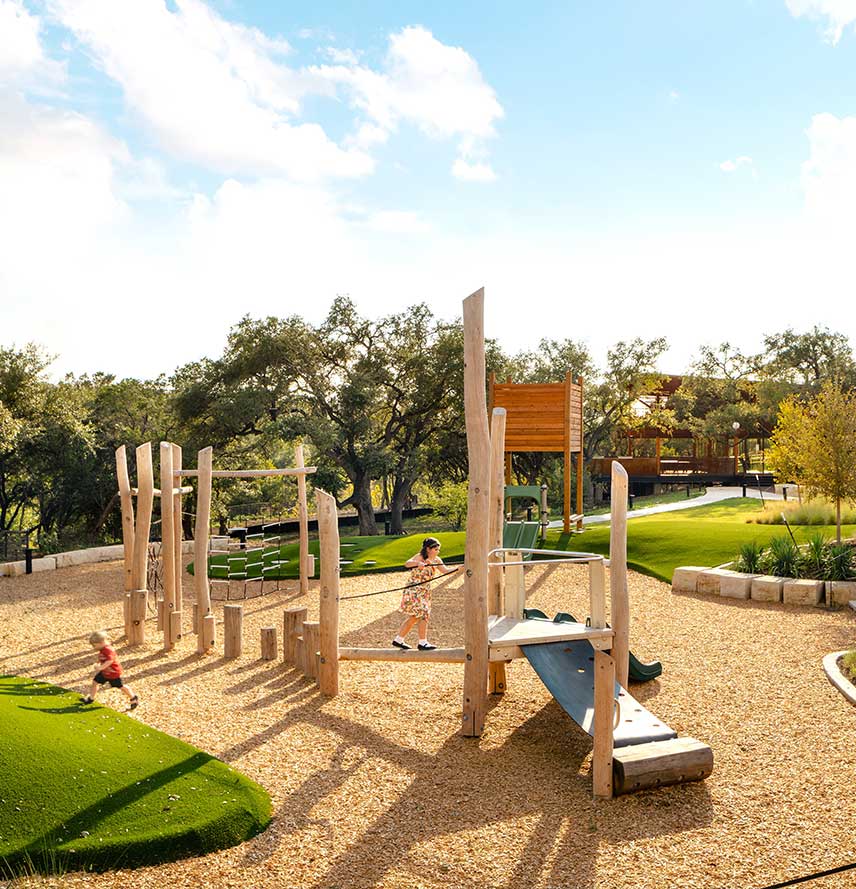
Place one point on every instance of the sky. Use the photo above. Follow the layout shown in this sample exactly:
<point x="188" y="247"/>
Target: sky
<point x="605" y="170"/>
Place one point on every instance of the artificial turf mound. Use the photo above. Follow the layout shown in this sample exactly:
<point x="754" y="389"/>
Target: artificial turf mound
<point x="85" y="787"/>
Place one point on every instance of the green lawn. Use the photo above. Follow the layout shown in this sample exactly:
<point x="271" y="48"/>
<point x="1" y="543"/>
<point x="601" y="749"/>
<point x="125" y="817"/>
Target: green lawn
<point x="656" y="544"/>
<point x="86" y="787"/>
<point x="704" y="535"/>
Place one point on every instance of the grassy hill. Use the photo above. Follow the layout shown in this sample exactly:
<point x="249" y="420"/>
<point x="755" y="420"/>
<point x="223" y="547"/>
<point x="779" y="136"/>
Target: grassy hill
<point x="85" y="787"/>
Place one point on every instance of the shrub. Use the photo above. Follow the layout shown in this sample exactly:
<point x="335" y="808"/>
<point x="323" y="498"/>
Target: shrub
<point x="450" y="502"/>
<point x="849" y="662"/>
<point x="750" y="558"/>
<point x="781" y="558"/>
<point x="812" y="562"/>
<point x="840" y="562"/>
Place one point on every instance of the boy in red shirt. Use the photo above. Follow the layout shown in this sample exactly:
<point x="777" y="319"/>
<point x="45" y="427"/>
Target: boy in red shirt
<point x="109" y="669"/>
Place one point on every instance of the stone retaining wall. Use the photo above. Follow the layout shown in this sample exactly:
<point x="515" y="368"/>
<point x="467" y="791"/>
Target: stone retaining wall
<point x="75" y="557"/>
<point x="729" y="584"/>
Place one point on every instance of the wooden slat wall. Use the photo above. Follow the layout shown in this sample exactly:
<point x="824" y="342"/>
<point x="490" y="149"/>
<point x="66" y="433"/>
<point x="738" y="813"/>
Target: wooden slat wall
<point x="536" y="416"/>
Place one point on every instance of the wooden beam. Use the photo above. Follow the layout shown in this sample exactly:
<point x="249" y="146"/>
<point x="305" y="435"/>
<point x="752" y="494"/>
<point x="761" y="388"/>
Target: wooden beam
<point x="127" y="505"/>
<point x="660" y="762"/>
<point x="619" y="599"/>
<point x="437" y="656"/>
<point x="178" y="530"/>
<point x="604" y="715"/>
<point x="497" y="680"/>
<point x="249" y="473"/>
<point x="566" y="515"/>
<point x="303" y="521"/>
<point x="328" y="530"/>
<point x="167" y="545"/>
<point x="200" y="546"/>
<point x="580" y="462"/>
<point x="145" y="501"/>
<point x="478" y="511"/>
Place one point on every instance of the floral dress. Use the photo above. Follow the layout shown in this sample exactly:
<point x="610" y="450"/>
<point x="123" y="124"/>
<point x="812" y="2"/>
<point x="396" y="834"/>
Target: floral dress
<point x="416" y="600"/>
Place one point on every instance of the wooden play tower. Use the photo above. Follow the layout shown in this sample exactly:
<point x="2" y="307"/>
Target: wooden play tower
<point x="544" y="417"/>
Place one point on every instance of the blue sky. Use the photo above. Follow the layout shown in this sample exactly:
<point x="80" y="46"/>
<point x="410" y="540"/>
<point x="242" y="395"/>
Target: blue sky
<point x="606" y="170"/>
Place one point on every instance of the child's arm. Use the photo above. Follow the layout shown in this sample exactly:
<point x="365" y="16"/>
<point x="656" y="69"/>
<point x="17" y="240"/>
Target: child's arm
<point x="415" y="561"/>
<point x="445" y="567"/>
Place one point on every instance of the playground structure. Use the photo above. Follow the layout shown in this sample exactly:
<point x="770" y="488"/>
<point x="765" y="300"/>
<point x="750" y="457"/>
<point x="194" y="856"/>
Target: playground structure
<point x="544" y="417"/>
<point x="136" y="530"/>
<point x="584" y="665"/>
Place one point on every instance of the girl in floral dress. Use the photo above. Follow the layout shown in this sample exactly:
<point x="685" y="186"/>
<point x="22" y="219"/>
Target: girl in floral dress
<point x="416" y="599"/>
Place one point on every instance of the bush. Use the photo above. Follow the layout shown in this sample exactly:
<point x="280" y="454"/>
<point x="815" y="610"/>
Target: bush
<point x="812" y="563"/>
<point x="840" y="562"/>
<point x="750" y="557"/>
<point x="781" y="558"/>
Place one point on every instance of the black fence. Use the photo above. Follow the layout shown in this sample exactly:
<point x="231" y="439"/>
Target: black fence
<point x="14" y="545"/>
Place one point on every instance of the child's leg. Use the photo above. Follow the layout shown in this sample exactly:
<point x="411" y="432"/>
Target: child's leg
<point x="406" y="626"/>
<point x="423" y="629"/>
<point x="93" y="689"/>
<point x="126" y="691"/>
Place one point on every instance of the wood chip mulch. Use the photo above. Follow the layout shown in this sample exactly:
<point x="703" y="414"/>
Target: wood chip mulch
<point x="377" y="788"/>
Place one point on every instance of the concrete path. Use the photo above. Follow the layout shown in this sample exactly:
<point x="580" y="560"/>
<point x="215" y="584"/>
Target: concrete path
<point x="712" y="495"/>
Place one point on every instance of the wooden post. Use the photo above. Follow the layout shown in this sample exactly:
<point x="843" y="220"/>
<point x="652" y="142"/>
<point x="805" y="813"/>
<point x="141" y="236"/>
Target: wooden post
<point x="268" y="641"/>
<point x="604" y="714"/>
<point x="207" y="633"/>
<point x="174" y="625"/>
<point x="126" y="614"/>
<point x="167" y="482"/>
<point x="200" y="548"/>
<point x="292" y="627"/>
<point x="300" y="653"/>
<point x="580" y="461"/>
<point x="515" y="586"/>
<point x="196" y="617"/>
<point x="159" y="611"/>
<point x="311" y="640"/>
<point x="478" y="511"/>
<point x="145" y="501"/>
<point x="566" y="514"/>
<point x="233" y="625"/>
<point x="127" y="504"/>
<point x="497" y="681"/>
<point x="597" y="593"/>
<point x="138" y="601"/>
<point x="303" y="521"/>
<point x="328" y="531"/>
<point x="658" y="447"/>
<point x="177" y="526"/>
<point x="620" y="603"/>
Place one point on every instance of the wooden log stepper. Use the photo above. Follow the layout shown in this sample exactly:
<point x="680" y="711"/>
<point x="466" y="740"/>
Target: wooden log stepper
<point x="233" y="622"/>
<point x="292" y="627"/>
<point x="311" y="639"/>
<point x="268" y="641"/>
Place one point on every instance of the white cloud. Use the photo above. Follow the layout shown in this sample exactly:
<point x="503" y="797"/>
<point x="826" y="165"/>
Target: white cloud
<point x="837" y="13"/>
<point x="397" y="222"/>
<point x="468" y="172"/>
<point x="22" y="57"/>
<point x="730" y="166"/>
<point x="342" y="56"/>
<point x="212" y="92"/>
<point x="829" y="177"/>
<point x="438" y="88"/>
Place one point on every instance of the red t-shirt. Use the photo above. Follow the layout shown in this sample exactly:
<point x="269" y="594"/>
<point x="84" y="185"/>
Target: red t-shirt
<point x="109" y="663"/>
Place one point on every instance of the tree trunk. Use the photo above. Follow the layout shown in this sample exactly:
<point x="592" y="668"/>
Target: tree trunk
<point x="401" y="488"/>
<point x="838" y="520"/>
<point x="362" y="500"/>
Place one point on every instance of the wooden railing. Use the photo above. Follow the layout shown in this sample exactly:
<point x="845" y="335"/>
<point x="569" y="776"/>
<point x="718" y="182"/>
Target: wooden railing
<point x="650" y="466"/>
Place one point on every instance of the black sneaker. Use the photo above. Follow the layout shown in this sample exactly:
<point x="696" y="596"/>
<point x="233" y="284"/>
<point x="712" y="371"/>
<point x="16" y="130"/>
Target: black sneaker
<point x="402" y="645"/>
<point x="87" y="700"/>
<point x="135" y="702"/>
<point x="426" y="647"/>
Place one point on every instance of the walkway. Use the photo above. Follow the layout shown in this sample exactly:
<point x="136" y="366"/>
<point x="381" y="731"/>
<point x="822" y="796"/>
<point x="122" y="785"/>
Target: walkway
<point x="713" y="495"/>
